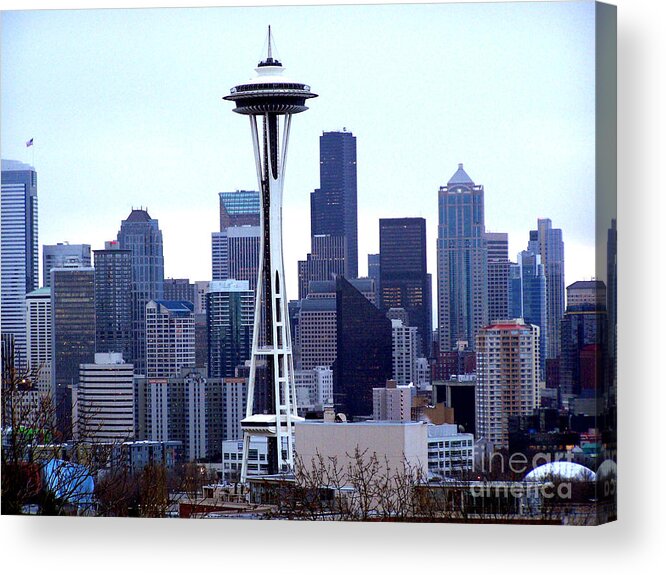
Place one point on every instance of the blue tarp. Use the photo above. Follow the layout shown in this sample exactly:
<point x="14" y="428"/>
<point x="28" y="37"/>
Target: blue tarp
<point x="69" y="481"/>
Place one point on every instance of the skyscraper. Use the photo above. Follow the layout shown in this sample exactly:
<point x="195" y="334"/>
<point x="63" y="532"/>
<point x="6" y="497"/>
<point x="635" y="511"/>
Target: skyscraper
<point x="404" y="353"/>
<point x="333" y="207"/>
<point x="235" y="248"/>
<point x="507" y="376"/>
<point x="239" y="208"/>
<point x="584" y="334"/>
<point x="39" y="336"/>
<point x="461" y="262"/>
<point x="103" y="400"/>
<point x="364" y="351"/>
<point x="230" y="318"/>
<point x="273" y="99"/>
<point x="113" y="300"/>
<point x="140" y="234"/>
<point x="235" y="253"/>
<point x="404" y="278"/>
<point x="317" y="323"/>
<point x="179" y="289"/>
<point x="73" y="339"/>
<point x="326" y="260"/>
<point x="64" y="255"/>
<point x="497" y="245"/>
<point x="547" y="242"/>
<point x="169" y="337"/>
<point x="20" y="252"/>
<point x="528" y="297"/>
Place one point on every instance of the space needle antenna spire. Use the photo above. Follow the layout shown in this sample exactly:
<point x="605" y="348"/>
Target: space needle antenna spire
<point x="269" y="100"/>
<point x="270" y="41"/>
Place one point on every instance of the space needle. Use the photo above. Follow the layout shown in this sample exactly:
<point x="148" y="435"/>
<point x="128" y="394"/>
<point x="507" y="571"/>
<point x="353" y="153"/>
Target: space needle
<point x="269" y="100"/>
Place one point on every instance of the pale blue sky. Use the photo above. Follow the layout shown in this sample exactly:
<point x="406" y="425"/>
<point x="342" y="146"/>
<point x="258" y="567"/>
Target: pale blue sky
<point x="125" y="110"/>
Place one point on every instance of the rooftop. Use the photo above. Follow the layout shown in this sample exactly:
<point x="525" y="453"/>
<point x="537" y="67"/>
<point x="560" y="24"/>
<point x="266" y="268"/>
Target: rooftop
<point x="176" y="305"/>
<point x="42" y="291"/>
<point x="15" y="166"/>
<point x="460" y="177"/>
<point x="138" y="216"/>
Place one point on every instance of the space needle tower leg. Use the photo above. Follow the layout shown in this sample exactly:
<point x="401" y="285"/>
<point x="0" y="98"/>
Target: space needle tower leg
<point x="270" y="100"/>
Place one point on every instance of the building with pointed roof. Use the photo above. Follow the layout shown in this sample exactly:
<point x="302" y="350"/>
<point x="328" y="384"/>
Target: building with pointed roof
<point x="462" y="290"/>
<point x="141" y="235"/>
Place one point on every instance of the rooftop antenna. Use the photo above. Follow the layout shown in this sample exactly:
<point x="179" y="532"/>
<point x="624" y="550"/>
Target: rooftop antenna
<point x="270" y="52"/>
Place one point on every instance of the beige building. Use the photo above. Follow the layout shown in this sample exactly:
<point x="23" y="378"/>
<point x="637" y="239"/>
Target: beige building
<point x="392" y="403"/>
<point x="507" y="377"/>
<point x="391" y="442"/>
<point x="317" y="333"/>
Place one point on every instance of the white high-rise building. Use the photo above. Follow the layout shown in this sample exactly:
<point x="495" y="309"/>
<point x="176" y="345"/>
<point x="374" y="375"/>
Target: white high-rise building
<point x="38" y="336"/>
<point x="507" y="377"/>
<point x="404" y="352"/>
<point x="103" y="400"/>
<point x="169" y="338"/>
<point x="19" y="255"/>
<point x="235" y="253"/>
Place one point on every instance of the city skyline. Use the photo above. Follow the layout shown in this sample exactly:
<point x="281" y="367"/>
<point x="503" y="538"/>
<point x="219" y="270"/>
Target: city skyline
<point x="529" y="125"/>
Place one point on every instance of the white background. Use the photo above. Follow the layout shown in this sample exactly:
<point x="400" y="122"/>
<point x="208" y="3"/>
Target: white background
<point x="632" y="544"/>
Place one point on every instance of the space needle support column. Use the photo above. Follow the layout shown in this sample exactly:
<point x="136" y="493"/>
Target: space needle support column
<point x="271" y="99"/>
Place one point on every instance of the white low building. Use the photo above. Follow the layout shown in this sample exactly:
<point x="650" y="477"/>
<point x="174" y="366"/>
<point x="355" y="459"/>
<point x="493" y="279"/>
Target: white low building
<point x="232" y="458"/>
<point x="449" y="452"/>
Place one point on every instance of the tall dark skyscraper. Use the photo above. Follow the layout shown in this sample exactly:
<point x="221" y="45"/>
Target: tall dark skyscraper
<point x="404" y="278"/>
<point x="113" y="300"/>
<point x="333" y="207"/>
<point x="497" y="245"/>
<point x="140" y="234"/>
<point x="547" y="242"/>
<point x="364" y="350"/>
<point x="462" y="288"/>
<point x="73" y="335"/>
<point x="20" y="252"/>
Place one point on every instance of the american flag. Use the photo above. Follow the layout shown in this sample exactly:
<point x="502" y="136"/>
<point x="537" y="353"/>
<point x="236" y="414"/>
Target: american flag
<point x="29" y="142"/>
